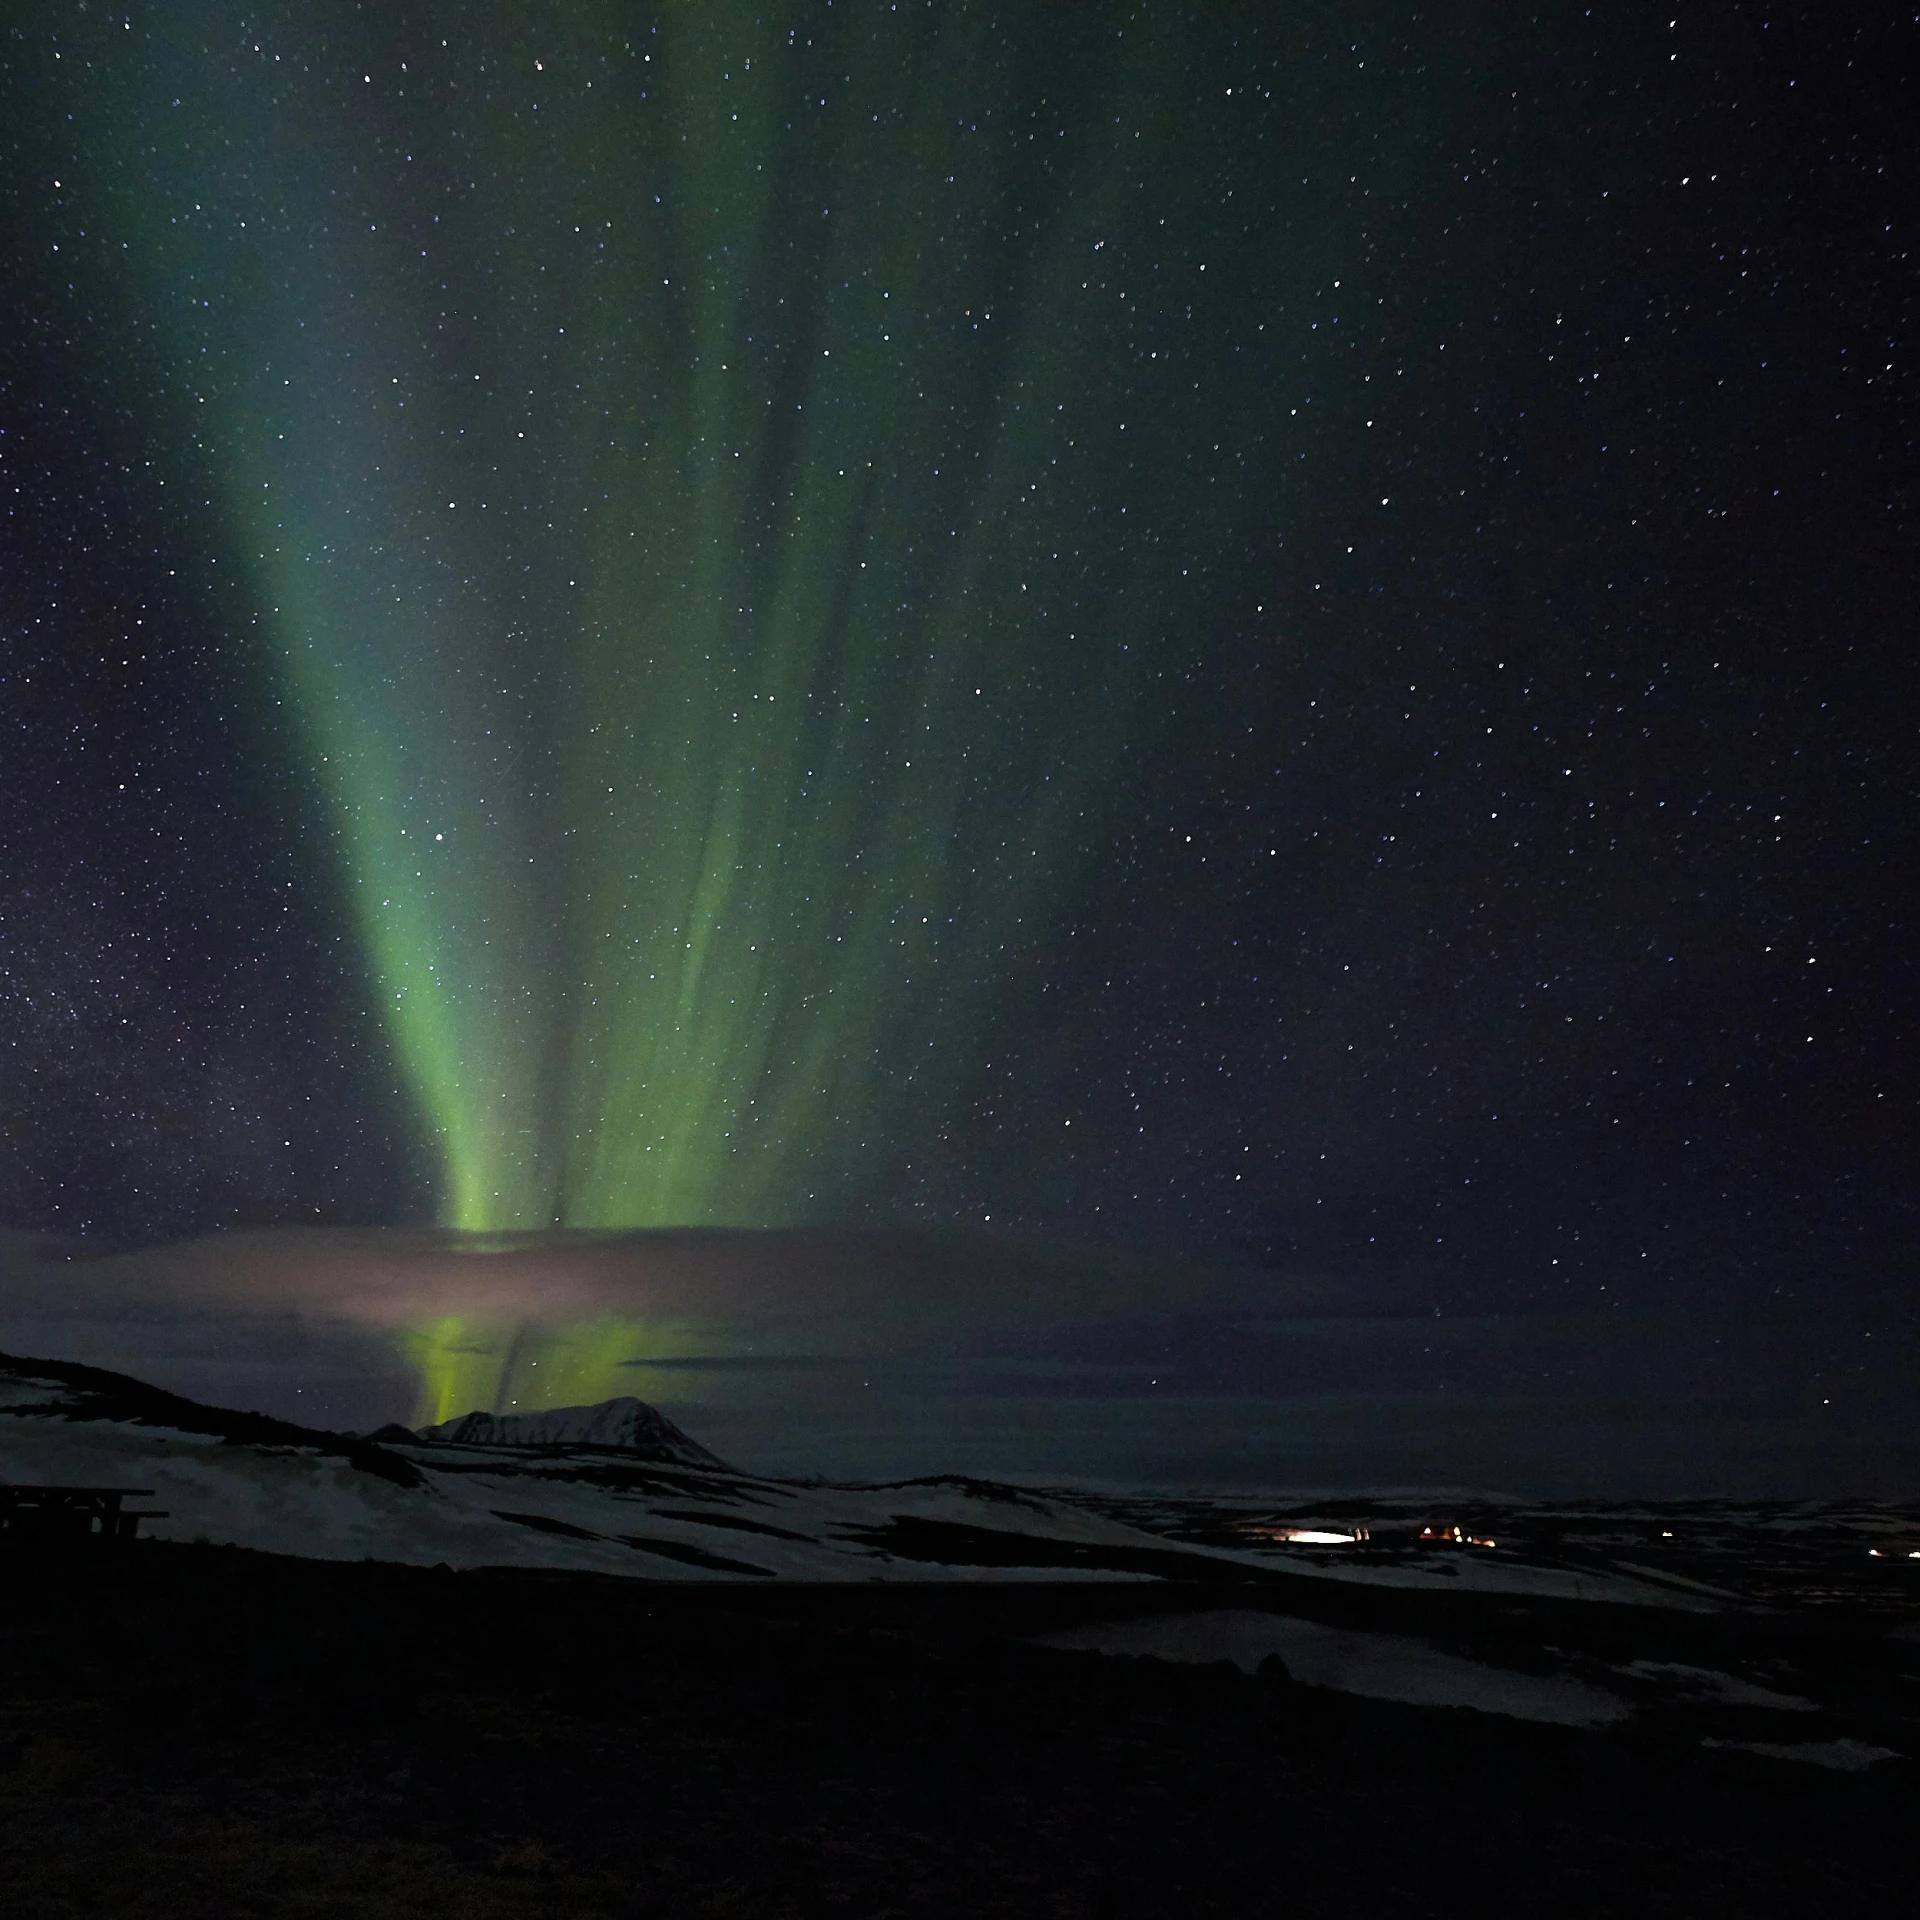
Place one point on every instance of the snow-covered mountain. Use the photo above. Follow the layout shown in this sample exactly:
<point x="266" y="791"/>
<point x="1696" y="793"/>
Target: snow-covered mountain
<point x="627" y="1424"/>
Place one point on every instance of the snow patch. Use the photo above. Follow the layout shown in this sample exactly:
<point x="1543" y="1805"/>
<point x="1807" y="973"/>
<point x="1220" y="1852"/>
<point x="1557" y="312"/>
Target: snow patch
<point x="1843" y="1755"/>
<point x="1379" y="1666"/>
<point x="1703" y="1683"/>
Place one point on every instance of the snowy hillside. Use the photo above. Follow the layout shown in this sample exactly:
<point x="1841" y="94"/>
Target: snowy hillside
<point x="611" y="1489"/>
<point x="618" y="1488"/>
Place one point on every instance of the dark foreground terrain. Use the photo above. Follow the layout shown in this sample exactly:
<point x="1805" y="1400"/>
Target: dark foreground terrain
<point x="191" y="1731"/>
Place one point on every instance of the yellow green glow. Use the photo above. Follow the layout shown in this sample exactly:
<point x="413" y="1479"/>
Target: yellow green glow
<point x="467" y="1365"/>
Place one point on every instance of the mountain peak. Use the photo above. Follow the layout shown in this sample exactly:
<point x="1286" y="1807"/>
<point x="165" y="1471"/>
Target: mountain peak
<point x="627" y="1424"/>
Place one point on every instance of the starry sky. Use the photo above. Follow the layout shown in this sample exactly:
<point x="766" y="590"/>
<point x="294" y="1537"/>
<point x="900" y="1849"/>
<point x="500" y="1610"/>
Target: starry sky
<point x="1280" y="630"/>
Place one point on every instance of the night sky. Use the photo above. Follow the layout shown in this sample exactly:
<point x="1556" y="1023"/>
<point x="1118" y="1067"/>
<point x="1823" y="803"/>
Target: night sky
<point x="1285" y="631"/>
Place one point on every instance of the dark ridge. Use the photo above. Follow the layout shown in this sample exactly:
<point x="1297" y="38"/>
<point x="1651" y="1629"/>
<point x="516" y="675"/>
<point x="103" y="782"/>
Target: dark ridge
<point x="951" y="1543"/>
<point x="117" y="1396"/>
<point x="738" y="1524"/>
<point x="693" y="1556"/>
<point x="980" y="1489"/>
<point x="610" y="1469"/>
<point x="545" y="1523"/>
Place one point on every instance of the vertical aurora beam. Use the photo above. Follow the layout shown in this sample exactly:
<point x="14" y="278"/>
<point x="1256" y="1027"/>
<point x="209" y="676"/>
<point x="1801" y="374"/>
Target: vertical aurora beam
<point x="856" y="833"/>
<point x="698" y="493"/>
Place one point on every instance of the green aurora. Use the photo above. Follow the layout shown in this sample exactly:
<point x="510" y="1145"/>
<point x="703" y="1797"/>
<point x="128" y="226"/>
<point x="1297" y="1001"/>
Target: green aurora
<point x="714" y="493"/>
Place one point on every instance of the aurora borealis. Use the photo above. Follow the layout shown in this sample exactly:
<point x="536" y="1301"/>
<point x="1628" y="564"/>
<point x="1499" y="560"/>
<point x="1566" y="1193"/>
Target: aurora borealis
<point x="689" y="497"/>
<point x="1252" y="629"/>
